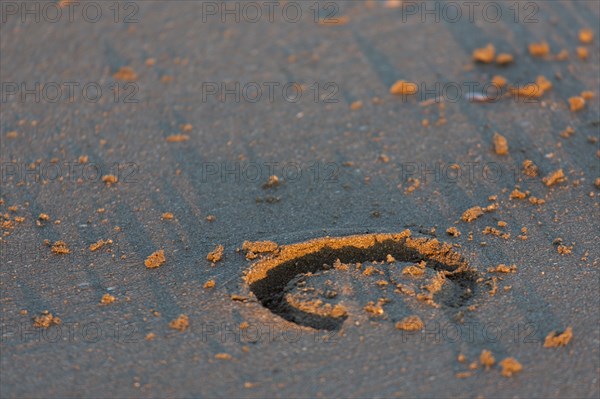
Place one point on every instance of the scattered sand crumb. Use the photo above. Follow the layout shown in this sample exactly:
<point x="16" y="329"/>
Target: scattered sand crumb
<point x="99" y="244"/>
<point x="7" y="224"/>
<point x="472" y="213"/>
<point x="209" y="284"/>
<point x="410" y="323"/>
<point x="504" y="59"/>
<point x="125" y="73"/>
<point x="107" y="299"/>
<point x="518" y="194"/>
<point x="60" y="247"/>
<point x="181" y="323"/>
<point x="223" y="356"/>
<point x="373" y="308"/>
<point x="582" y="53"/>
<point x="536" y="201"/>
<point x="499" y="81"/>
<point x="502" y="268"/>
<point x="12" y="135"/>
<point x="155" y="259"/>
<point x="529" y="168"/>
<point x="356" y="105"/>
<point x="177" y="138"/>
<point x="554" y="340"/>
<point x="338" y="20"/>
<point x="45" y="320"/>
<point x="403" y="87"/>
<point x="500" y="144"/>
<point x="150" y="336"/>
<point x="369" y="270"/>
<point x="392" y="4"/>
<point x="557" y="176"/>
<point x="576" y="103"/>
<point x="109" y="179"/>
<point x="416" y="183"/>
<point x="531" y="90"/>
<point x="390" y="259"/>
<point x="44" y="217"/>
<point x="167" y="216"/>
<point x="216" y="255"/>
<point x="211" y="218"/>
<point x="485" y="54"/>
<point x="473" y="365"/>
<point x="487" y="359"/>
<point x="586" y="35"/>
<point x="568" y="132"/>
<point x="495" y="232"/>
<point x="273" y="181"/>
<point x="543" y="83"/>
<point x="539" y="49"/>
<point x="587" y="94"/>
<point x="510" y="366"/>
<point x="564" y="250"/>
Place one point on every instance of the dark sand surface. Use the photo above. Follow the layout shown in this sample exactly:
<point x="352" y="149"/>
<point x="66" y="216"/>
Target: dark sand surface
<point x="355" y="166"/>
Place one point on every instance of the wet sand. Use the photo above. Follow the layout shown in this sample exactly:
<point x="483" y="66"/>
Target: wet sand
<point x="92" y="191"/>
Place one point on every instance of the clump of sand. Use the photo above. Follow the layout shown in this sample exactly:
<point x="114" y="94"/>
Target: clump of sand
<point x="155" y="259"/>
<point x="181" y="323"/>
<point x="510" y="366"/>
<point x="554" y="340"/>
<point x="45" y="320"/>
<point x="215" y="255"/>
<point x="410" y="323"/>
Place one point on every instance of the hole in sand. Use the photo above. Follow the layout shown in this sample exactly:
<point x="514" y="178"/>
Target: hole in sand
<point x="274" y="276"/>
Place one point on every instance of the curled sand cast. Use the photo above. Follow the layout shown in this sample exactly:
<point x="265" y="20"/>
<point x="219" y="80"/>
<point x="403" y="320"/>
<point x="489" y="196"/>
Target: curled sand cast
<point x="268" y="277"/>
